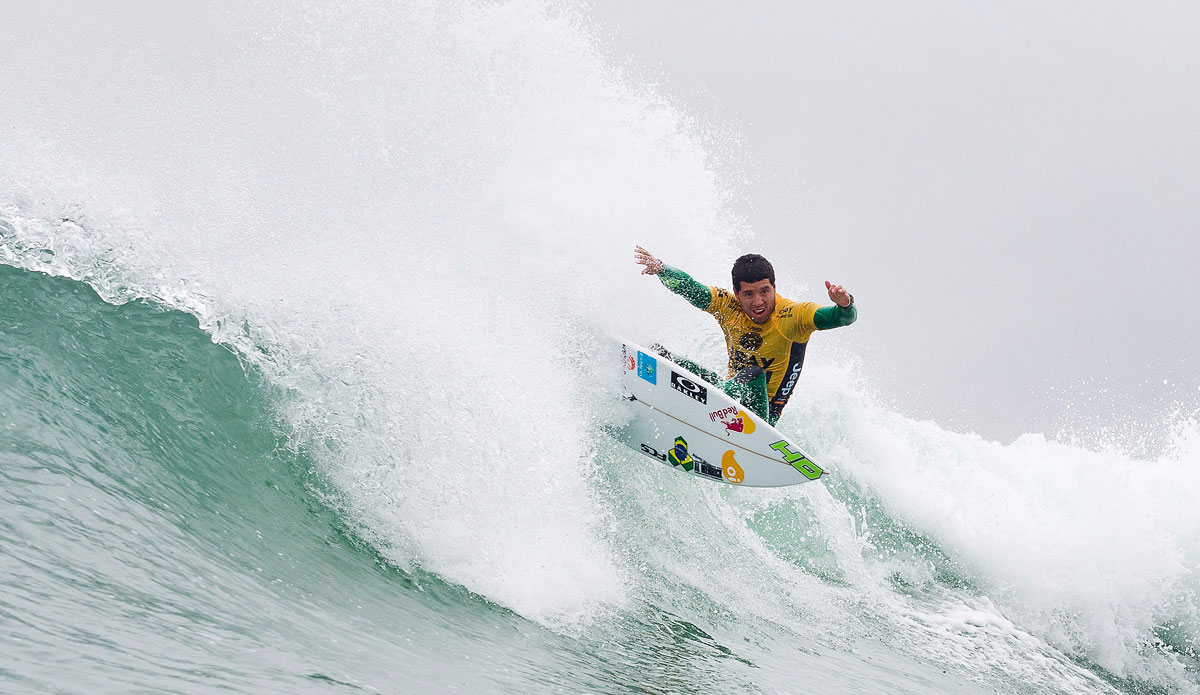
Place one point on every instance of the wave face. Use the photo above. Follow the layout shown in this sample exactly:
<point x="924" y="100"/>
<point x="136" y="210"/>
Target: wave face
<point x="297" y="374"/>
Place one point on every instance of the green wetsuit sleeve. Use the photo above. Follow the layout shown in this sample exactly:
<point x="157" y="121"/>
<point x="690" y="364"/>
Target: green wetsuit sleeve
<point x="682" y="284"/>
<point x="834" y="317"/>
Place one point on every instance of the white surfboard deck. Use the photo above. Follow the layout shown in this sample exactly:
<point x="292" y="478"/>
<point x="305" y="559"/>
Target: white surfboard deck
<point x="721" y="439"/>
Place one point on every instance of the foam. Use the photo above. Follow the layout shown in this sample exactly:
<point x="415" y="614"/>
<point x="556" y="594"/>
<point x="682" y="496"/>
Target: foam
<point x="1091" y="550"/>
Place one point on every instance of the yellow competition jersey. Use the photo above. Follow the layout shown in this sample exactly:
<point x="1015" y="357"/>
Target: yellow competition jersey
<point x="776" y="346"/>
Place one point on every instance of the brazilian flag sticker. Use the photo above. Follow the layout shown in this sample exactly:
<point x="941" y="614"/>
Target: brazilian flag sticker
<point x="679" y="456"/>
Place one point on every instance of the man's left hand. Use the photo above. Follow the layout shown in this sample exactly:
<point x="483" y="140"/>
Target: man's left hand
<point x="838" y="294"/>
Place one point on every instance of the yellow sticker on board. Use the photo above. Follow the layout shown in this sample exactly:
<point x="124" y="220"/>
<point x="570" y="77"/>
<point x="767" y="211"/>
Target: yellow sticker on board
<point x="730" y="469"/>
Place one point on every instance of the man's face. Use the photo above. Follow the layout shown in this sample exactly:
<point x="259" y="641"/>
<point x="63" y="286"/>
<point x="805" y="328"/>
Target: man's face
<point x="757" y="299"/>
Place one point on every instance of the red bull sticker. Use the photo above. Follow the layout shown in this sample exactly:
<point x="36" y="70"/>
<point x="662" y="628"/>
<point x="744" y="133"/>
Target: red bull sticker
<point x="734" y="420"/>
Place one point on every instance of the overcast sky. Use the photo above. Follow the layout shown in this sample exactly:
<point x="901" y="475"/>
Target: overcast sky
<point x="1011" y="190"/>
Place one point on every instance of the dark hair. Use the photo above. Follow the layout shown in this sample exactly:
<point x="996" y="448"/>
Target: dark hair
<point x="751" y="268"/>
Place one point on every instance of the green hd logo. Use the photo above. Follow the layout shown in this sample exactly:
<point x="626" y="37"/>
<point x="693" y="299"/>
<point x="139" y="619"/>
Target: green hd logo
<point x="798" y="460"/>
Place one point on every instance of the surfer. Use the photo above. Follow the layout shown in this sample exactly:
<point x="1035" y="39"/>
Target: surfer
<point x="765" y="334"/>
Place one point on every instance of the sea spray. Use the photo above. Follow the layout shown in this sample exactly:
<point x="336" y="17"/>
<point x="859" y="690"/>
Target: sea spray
<point x="397" y="249"/>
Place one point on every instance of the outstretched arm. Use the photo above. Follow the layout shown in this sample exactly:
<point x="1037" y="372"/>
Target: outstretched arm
<point x="842" y="313"/>
<point x="674" y="279"/>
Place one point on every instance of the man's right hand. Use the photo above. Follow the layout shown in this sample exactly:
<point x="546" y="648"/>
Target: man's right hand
<point x="644" y="257"/>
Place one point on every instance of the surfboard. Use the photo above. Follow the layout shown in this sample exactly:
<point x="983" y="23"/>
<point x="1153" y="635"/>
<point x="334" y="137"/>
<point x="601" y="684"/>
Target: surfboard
<point x="679" y="419"/>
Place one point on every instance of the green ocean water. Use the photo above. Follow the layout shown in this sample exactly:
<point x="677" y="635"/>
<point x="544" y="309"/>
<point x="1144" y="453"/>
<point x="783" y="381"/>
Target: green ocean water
<point x="157" y="537"/>
<point x="158" y="534"/>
